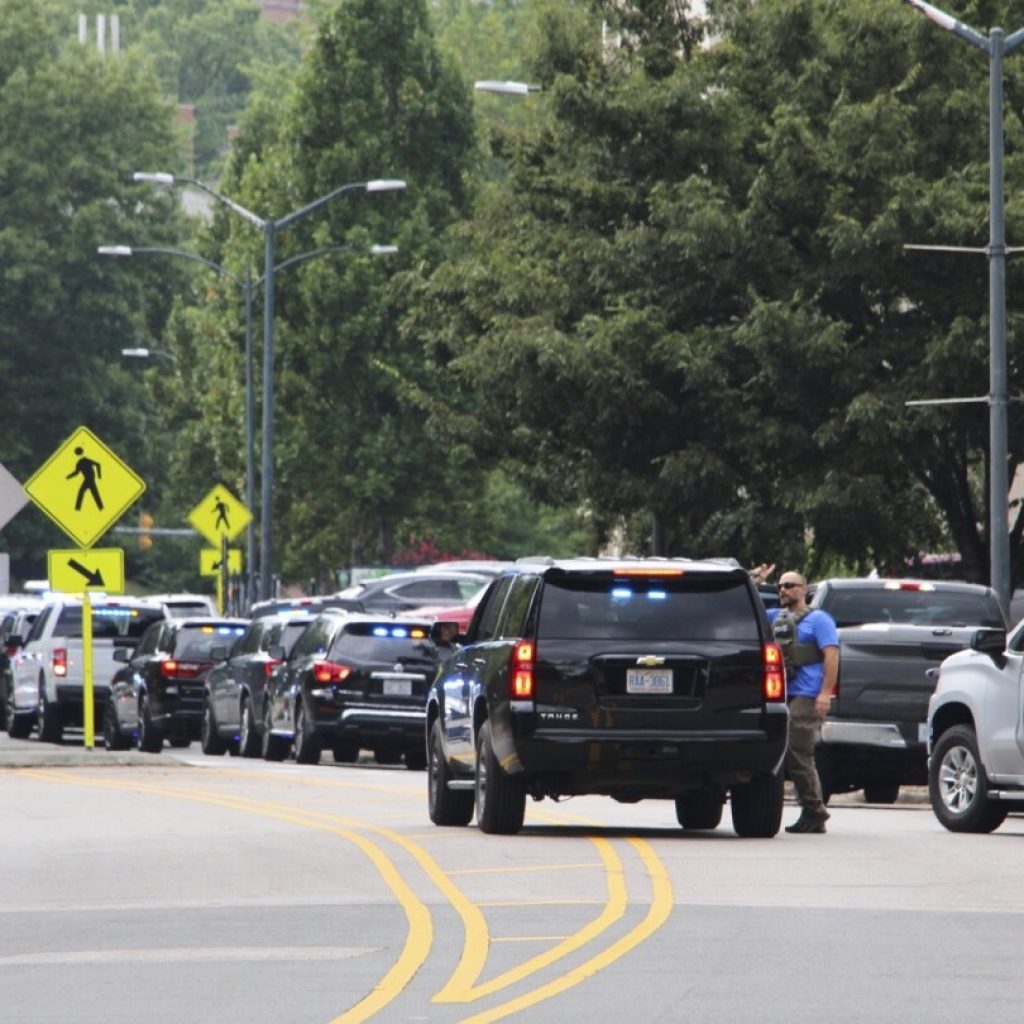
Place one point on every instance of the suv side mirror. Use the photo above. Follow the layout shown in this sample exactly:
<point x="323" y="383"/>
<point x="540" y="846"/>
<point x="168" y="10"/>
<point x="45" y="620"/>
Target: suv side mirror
<point x="991" y="642"/>
<point x="122" y="654"/>
<point x="276" y="653"/>
<point x="444" y="633"/>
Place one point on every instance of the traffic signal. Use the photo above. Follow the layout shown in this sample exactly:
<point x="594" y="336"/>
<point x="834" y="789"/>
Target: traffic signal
<point x="145" y="525"/>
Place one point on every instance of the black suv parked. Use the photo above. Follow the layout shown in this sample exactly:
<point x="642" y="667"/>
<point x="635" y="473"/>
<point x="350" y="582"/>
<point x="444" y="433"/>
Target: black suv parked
<point x="644" y="678"/>
<point x="352" y="681"/>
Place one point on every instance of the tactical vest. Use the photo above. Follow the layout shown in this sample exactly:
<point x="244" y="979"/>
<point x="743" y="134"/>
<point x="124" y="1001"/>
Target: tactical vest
<point x="794" y="652"/>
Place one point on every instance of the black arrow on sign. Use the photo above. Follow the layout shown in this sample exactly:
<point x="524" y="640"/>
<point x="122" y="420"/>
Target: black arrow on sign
<point x="93" y="579"/>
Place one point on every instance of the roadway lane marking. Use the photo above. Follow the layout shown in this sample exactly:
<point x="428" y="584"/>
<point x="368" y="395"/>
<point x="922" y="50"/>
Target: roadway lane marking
<point x="420" y="926"/>
<point x="172" y="955"/>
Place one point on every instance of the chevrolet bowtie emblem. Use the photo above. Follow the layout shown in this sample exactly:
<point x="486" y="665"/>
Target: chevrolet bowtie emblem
<point x="650" y="660"/>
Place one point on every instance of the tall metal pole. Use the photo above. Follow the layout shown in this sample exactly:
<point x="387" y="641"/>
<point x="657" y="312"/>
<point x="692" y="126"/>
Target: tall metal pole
<point x="250" y="448"/>
<point x="267" y="472"/>
<point x="999" y="538"/>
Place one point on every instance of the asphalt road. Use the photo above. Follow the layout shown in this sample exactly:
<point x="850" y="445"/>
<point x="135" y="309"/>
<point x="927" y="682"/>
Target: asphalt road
<point x="192" y="889"/>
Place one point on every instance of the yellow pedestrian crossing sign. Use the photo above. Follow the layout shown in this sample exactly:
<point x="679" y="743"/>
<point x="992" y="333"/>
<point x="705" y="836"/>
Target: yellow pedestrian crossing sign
<point x="73" y="572"/>
<point x="220" y="514"/>
<point x="210" y="561"/>
<point x="84" y="487"/>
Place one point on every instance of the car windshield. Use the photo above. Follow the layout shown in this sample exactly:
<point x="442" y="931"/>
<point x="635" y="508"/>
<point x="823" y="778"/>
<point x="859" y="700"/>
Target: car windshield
<point x="596" y="607"/>
<point x="913" y="608"/>
<point x="196" y="643"/>
<point x="114" y="621"/>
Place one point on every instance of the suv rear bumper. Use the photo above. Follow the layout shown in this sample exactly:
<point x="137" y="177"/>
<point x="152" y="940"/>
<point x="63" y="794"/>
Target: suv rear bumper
<point x="663" y="763"/>
<point x="376" y="725"/>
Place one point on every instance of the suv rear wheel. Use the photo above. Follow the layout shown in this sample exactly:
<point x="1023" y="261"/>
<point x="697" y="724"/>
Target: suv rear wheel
<point x="209" y="739"/>
<point x="248" y="734"/>
<point x="446" y="806"/>
<point x="957" y="786"/>
<point x="51" y="728"/>
<point x="151" y="741"/>
<point x="757" y="807"/>
<point x="500" y="799"/>
<point x="274" y="748"/>
<point x="307" y="744"/>
<point x="701" y="809"/>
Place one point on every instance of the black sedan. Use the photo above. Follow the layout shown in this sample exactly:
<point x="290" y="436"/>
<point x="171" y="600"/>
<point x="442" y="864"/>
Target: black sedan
<point x="353" y="681"/>
<point x="158" y="692"/>
<point x="233" y="698"/>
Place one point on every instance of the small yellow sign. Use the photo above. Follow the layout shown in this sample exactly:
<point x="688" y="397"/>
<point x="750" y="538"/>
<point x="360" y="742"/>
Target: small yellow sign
<point x="74" y="571"/>
<point x="209" y="561"/>
<point x="220" y="514"/>
<point x="84" y="487"/>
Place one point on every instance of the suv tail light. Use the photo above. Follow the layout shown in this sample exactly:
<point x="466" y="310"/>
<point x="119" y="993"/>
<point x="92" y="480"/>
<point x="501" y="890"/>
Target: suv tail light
<point x="60" y="661"/>
<point x="773" y="682"/>
<point x="521" y="680"/>
<point x="331" y="672"/>
<point x="269" y="665"/>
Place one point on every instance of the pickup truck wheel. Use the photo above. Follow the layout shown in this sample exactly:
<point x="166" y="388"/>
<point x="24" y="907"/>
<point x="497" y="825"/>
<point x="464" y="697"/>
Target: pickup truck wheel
<point x="500" y="799"/>
<point x="51" y="728"/>
<point x="19" y="727"/>
<point x="113" y="738"/>
<point x="701" y="809"/>
<point x="416" y="759"/>
<point x="757" y="807"/>
<point x="209" y="739"/>
<point x="345" y="751"/>
<point x="274" y="748"/>
<point x="882" y="793"/>
<point x="248" y="734"/>
<point x="446" y="806"/>
<point x="150" y="741"/>
<point x="957" y="786"/>
<point x="308" y="745"/>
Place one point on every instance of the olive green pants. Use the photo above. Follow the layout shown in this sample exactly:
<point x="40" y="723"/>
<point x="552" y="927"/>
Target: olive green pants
<point x="804" y="726"/>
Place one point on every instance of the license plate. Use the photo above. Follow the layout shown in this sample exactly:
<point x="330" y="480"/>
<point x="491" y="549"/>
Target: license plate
<point x="397" y="687"/>
<point x="648" y="680"/>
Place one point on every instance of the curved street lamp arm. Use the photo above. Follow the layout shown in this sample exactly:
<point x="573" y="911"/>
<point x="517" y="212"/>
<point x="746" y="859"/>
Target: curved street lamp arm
<point x="175" y="179"/>
<point x="317" y="203"/>
<point x="950" y="24"/>
<point x="374" y="250"/>
<point x="131" y="250"/>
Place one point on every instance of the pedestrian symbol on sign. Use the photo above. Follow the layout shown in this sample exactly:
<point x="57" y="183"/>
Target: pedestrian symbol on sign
<point x="90" y="471"/>
<point x="221" y="508"/>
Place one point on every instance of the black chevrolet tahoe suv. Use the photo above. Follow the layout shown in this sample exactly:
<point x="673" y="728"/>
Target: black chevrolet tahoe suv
<point x="632" y="678"/>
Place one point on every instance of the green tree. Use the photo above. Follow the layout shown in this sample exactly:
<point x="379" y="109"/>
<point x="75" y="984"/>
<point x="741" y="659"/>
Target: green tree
<point x="73" y="126"/>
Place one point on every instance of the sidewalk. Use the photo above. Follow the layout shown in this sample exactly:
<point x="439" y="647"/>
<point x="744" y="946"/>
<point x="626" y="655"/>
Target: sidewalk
<point x="73" y="753"/>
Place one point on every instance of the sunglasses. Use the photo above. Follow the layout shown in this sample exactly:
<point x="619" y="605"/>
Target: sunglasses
<point x="789" y="586"/>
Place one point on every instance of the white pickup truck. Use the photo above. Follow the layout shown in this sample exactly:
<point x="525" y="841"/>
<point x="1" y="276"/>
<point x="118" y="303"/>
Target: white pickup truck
<point x="47" y="669"/>
<point x="976" y="733"/>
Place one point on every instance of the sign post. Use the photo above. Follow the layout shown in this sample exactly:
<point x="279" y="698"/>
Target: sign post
<point x="84" y="488"/>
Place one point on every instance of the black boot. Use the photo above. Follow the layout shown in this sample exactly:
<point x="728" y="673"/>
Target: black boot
<point x="809" y="821"/>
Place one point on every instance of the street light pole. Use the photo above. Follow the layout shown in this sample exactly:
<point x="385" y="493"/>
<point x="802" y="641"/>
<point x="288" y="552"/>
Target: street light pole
<point x="997" y="46"/>
<point x="270" y="229"/>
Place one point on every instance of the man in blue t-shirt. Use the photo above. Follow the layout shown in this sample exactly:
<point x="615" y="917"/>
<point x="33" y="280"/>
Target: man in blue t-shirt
<point x="810" y="644"/>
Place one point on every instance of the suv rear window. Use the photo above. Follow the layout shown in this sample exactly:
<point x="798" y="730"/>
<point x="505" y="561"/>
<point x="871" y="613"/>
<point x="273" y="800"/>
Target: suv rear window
<point x="391" y="641"/>
<point x="589" y="607"/>
<point x="107" y="621"/>
<point x="196" y="643"/>
<point x="913" y="608"/>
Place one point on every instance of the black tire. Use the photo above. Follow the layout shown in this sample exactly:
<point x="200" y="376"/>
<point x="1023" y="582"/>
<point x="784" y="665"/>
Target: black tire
<point x="416" y="759"/>
<point x="958" y="787"/>
<point x="151" y="740"/>
<point x="19" y="727"/>
<point x="308" y="745"/>
<point x="273" y="748"/>
<point x="248" y="735"/>
<point x="113" y="738"/>
<point x="500" y="799"/>
<point x="882" y="793"/>
<point x="345" y="751"/>
<point x="48" y="718"/>
<point x="210" y="740"/>
<point x="3" y="707"/>
<point x="700" y="810"/>
<point x="446" y="806"/>
<point x="757" y="807"/>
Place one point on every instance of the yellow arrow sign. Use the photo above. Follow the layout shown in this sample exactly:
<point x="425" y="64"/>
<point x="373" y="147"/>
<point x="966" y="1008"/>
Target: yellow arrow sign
<point x="209" y="561"/>
<point x="74" y="571"/>
<point x="84" y="487"/>
<point x="220" y="514"/>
